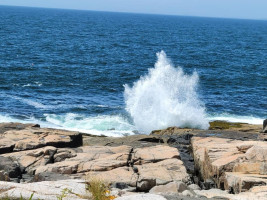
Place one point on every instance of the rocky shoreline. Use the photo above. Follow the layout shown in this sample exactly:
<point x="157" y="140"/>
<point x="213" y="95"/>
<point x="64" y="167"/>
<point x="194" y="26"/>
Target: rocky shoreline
<point x="229" y="161"/>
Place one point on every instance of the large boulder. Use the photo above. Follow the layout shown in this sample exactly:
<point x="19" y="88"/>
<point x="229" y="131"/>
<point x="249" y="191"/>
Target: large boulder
<point x="160" y="173"/>
<point x="30" y="160"/>
<point x="215" y="157"/>
<point x="239" y="182"/>
<point x="34" y="137"/>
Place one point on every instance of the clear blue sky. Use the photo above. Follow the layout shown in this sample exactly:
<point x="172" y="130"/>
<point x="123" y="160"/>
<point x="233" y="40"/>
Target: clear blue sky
<point x="248" y="9"/>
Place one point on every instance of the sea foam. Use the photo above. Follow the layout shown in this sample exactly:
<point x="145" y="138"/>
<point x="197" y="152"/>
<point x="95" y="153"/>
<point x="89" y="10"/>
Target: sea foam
<point x="165" y="97"/>
<point x="109" y="125"/>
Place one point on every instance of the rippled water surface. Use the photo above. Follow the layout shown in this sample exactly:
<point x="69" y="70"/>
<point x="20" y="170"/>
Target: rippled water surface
<point x="68" y="69"/>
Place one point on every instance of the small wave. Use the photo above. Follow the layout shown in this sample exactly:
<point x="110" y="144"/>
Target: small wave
<point x="165" y="97"/>
<point x="236" y="118"/>
<point x="35" y="84"/>
<point x="28" y="101"/>
<point x="97" y="125"/>
<point x="35" y="104"/>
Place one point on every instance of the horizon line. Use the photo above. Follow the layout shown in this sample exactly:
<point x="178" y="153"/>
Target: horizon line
<point x="141" y="13"/>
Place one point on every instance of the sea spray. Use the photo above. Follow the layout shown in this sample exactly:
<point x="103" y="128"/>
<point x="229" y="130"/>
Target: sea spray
<point x="165" y="97"/>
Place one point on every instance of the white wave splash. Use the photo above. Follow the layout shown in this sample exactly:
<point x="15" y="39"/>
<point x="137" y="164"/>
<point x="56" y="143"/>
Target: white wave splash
<point x="165" y="97"/>
<point x="97" y="125"/>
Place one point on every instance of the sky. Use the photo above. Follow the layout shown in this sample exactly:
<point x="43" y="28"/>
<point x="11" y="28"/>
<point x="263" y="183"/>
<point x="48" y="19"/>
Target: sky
<point x="244" y="9"/>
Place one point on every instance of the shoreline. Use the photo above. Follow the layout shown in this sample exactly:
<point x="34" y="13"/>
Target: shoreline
<point x="136" y="164"/>
<point x="121" y="133"/>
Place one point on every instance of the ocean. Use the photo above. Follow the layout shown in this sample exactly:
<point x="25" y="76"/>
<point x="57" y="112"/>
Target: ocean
<point x="119" y="74"/>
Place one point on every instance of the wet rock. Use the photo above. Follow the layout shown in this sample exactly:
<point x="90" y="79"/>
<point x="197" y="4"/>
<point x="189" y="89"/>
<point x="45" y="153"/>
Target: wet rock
<point x="136" y="141"/>
<point x="152" y="139"/>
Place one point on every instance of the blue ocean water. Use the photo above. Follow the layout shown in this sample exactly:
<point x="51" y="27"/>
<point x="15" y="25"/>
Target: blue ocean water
<point x="69" y="69"/>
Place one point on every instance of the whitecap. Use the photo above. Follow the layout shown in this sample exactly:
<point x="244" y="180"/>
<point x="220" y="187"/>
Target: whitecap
<point x="35" y="84"/>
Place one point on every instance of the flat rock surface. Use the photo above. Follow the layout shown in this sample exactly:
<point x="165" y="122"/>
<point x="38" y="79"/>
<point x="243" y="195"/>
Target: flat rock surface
<point x="136" y="141"/>
<point x="46" y="190"/>
<point x="259" y="194"/>
<point x="19" y="137"/>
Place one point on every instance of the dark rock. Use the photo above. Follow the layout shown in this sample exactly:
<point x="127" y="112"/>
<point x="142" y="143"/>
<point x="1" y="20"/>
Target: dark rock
<point x="152" y="139"/>
<point x="120" y="185"/>
<point x="47" y="176"/>
<point x="132" y="140"/>
<point x="181" y="186"/>
<point x="4" y="177"/>
<point x="145" y="185"/>
<point x="208" y="184"/>
<point x="264" y="129"/>
<point x="9" y="167"/>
